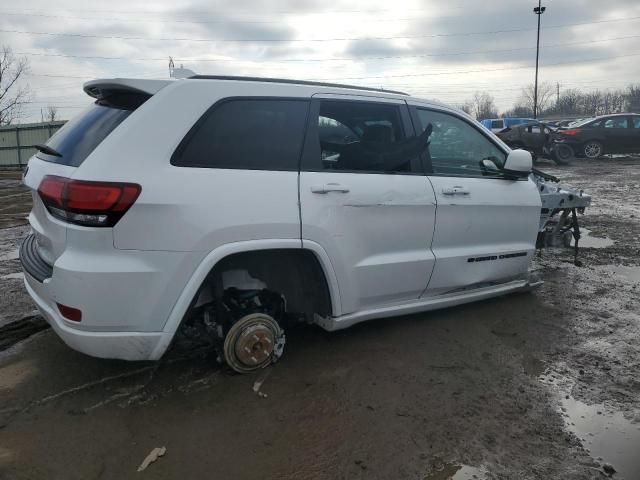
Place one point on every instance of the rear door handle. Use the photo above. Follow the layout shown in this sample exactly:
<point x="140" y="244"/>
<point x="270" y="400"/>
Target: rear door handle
<point x="330" y="187"/>
<point x="457" y="190"/>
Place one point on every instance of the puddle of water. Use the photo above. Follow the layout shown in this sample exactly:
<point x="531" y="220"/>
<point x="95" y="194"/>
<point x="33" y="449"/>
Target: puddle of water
<point x="458" y="472"/>
<point x="17" y="275"/>
<point x="630" y="273"/>
<point x="587" y="241"/>
<point x="609" y="437"/>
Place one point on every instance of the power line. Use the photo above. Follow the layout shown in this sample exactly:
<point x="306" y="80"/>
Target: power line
<point x="409" y="75"/>
<point x="343" y="59"/>
<point x="282" y="40"/>
<point x="475" y="71"/>
<point x="205" y="22"/>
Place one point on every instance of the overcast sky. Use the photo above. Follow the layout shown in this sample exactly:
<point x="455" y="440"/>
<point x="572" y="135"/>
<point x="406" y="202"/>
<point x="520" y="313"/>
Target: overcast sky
<point x="434" y="49"/>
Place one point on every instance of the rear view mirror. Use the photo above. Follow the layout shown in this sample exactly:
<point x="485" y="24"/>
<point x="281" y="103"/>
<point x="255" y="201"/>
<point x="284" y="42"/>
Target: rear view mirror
<point x="518" y="163"/>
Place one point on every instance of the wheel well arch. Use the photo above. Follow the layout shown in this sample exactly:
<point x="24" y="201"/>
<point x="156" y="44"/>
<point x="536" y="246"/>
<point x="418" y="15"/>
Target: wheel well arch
<point x="297" y="274"/>
<point x="208" y="263"/>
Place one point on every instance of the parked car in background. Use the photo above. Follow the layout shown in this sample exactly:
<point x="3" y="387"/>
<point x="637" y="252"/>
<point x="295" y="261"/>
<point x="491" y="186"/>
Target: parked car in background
<point x="537" y="138"/>
<point x="497" y="124"/>
<point x="593" y="137"/>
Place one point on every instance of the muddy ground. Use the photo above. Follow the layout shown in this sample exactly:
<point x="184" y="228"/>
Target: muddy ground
<point x="529" y="386"/>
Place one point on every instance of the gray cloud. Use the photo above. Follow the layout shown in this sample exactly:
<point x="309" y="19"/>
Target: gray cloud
<point x="437" y="51"/>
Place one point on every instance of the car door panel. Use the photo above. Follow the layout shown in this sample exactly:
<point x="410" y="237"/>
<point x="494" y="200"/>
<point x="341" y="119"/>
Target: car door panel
<point x="486" y="225"/>
<point x="482" y="236"/>
<point x="375" y="226"/>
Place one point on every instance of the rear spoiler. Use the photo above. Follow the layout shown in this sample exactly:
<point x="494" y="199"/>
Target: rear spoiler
<point x="125" y="93"/>
<point x="95" y="88"/>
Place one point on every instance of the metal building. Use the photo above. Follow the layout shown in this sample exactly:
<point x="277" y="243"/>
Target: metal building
<point x="17" y="141"/>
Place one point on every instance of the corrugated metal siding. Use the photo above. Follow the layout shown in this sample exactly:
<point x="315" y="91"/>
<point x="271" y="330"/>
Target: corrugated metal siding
<point x="25" y="136"/>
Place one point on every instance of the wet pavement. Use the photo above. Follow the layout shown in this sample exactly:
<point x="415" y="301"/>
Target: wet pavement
<point x="528" y="386"/>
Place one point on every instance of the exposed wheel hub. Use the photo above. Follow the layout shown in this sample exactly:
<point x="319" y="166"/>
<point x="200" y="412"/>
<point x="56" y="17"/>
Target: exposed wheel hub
<point x="253" y="342"/>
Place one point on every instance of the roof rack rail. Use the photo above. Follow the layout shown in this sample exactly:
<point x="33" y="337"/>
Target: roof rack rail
<point x="295" y="82"/>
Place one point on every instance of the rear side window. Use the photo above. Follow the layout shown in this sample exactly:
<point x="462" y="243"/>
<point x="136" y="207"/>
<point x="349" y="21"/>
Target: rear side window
<point x="81" y="135"/>
<point x="616" y="122"/>
<point x="496" y="124"/>
<point x="252" y="134"/>
<point x="361" y="137"/>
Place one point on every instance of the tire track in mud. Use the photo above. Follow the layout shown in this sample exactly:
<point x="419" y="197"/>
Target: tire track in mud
<point x="20" y="330"/>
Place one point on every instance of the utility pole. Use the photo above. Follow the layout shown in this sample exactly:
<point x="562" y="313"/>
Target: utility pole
<point x="557" y="93"/>
<point x="539" y="10"/>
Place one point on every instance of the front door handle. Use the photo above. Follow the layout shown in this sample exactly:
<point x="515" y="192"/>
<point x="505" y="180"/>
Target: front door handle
<point x="457" y="190"/>
<point x="330" y="187"/>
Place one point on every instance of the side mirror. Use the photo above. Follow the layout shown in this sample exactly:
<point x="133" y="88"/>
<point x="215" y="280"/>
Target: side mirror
<point x="489" y="165"/>
<point x="518" y="163"/>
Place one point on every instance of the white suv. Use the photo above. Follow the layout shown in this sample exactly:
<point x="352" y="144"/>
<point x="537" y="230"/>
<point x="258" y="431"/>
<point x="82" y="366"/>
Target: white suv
<point x="239" y="205"/>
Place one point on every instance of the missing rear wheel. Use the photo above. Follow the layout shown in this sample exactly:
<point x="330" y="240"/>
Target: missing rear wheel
<point x="253" y="342"/>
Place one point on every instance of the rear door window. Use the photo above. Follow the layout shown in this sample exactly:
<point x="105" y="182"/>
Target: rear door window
<point x="616" y="122"/>
<point x="251" y="134"/>
<point x="362" y="137"/>
<point x="81" y="135"/>
<point x="636" y="122"/>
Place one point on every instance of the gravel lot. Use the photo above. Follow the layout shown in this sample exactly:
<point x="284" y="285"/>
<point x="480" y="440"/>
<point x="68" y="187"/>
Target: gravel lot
<point x="528" y="386"/>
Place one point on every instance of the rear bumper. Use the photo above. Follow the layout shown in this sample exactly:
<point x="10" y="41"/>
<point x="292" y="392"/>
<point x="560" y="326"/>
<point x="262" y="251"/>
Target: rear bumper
<point x="116" y="345"/>
<point x="32" y="262"/>
<point x="125" y="297"/>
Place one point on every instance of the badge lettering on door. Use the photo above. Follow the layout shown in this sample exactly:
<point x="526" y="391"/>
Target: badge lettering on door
<point x="496" y="257"/>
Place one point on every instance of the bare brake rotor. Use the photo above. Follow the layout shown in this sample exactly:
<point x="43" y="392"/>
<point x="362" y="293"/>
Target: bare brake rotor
<point x="253" y="342"/>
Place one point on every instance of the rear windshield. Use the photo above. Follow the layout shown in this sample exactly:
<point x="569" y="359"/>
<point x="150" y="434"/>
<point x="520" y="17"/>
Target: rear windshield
<point x="81" y="135"/>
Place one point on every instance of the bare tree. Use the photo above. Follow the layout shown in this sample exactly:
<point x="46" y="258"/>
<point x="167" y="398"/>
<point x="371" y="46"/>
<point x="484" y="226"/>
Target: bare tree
<point x="482" y="105"/>
<point x="546" y="92"/>
<point x="12" y="95"/>
<point x="633" y="98"/>
<point x="592" y="103"/>
<point x="570" y="102"/>
<point x="519" y="110"/>
<point x="467" y="108"/>
<point x="49" y="114"/>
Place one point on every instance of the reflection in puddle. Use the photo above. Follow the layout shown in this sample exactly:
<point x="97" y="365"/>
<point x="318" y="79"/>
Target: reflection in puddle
<point x="458" y="472"/>
<point x="631" y="274"/>
<point x="587" y="241"/>
<point x="609" y="437"/>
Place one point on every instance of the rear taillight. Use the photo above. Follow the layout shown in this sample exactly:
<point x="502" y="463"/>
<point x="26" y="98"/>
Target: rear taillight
<point x="92" y="204"/>
<point x="571" y="132"/>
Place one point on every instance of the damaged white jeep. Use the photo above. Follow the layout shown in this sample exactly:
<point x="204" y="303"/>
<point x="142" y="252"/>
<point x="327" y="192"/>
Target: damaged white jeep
<point x="234" y="207"/>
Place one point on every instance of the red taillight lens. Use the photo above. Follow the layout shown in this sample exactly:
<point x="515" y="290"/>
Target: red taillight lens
<point x="70" y="313"/>
<point x="571" y="132"/>
<point x="96" y="204"/>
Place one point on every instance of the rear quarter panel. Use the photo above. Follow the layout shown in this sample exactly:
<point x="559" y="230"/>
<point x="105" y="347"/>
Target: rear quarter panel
<point x="189" y="209"/>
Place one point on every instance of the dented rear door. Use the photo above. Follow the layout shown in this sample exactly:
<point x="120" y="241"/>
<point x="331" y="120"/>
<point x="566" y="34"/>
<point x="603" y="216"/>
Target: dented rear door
<point x="373" y="214"/>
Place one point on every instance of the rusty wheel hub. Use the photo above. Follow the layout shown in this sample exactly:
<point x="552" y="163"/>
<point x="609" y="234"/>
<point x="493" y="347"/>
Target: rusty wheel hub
<point x="253" y="342"/>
